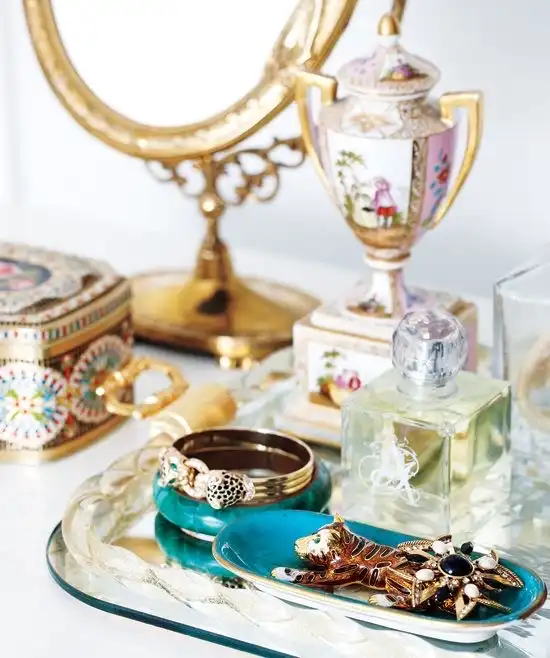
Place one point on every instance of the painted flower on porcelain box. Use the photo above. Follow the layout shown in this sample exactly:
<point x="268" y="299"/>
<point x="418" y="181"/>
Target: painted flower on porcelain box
<point x="21" y="275"/>
<point x="335" y="380"/>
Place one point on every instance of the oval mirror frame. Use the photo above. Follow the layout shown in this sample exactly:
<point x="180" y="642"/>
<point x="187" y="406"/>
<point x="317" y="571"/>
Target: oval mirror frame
<point x="305" y="42"/>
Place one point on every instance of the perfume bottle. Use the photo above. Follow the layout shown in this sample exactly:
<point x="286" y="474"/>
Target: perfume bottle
<point x="426" y="446"/>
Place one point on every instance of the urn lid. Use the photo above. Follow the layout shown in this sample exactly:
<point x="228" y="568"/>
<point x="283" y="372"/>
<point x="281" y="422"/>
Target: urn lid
<point x="390" y="71"/>
<point x="429" y="347"/>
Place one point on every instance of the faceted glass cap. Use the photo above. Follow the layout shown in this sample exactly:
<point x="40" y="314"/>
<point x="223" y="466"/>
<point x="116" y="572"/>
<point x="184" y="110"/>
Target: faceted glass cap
<point x="429" y="347"/>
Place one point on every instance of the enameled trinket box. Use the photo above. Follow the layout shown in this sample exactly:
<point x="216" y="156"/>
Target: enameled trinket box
<point x="65" y="325"/>
<point x="389" y="160"/>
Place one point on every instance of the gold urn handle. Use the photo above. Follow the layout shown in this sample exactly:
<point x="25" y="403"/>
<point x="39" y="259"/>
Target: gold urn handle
<point x="472" y="102"/>
<point x="121" y="379"/>
<point x="327" y="86"/>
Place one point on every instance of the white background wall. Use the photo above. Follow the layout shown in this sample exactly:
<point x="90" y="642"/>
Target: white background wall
<point x="50" y="168"/>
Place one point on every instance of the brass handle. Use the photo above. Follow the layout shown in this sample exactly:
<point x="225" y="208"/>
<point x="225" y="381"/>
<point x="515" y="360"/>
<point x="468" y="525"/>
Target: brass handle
<point x="328" y="87"/>
<point x="126" y="376"/>
<point x="472" y="102"/>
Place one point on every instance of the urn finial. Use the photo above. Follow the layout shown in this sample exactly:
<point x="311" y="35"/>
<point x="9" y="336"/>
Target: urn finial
<point x="388" y="26"/>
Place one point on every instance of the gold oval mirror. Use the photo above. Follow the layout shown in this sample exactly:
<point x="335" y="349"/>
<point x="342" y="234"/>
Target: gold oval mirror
<point x="73" y="40"/>
<point x="141" y="101"/>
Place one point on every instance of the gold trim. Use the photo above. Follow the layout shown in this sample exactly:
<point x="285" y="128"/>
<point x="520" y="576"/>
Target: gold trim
<point x="388" y="26"/>
<point x="37" y="352"/>
<point x="67" y="448"/>
<point x="381" y="613"/>
<point x="328" y="87"/>
<point x="89" y="333"/>
<point x="122" y="290"/>
<point x="418" y="181"/>
<point x="305" y="41"/>
<point x="43" y="349"/>
<point x="198" y="535"/>
<point x="472" y="102"/>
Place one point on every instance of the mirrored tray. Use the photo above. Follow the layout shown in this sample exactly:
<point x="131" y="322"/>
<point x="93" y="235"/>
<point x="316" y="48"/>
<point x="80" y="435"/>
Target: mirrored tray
<point x="107" y="553"/>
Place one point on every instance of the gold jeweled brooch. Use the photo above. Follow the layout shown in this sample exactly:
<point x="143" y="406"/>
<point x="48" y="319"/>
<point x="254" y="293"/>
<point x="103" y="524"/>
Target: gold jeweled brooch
<point x="449" y="578"/>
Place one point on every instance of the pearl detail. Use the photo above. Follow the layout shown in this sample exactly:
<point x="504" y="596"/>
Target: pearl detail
<point x="486" y="562"/>
<point x="439" y="547"/>
<point x="425" y="575"/>
<point x="471" y="591"/>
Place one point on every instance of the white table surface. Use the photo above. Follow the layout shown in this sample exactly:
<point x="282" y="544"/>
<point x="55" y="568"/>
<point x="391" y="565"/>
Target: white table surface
<point x="38" y="619"/>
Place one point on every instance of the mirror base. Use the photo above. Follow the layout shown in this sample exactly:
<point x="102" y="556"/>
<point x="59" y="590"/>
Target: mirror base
<point x="239" y="323"/>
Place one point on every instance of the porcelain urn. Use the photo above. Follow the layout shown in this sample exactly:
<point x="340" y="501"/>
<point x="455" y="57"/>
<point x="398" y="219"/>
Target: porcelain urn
<point x="387" y="156"/>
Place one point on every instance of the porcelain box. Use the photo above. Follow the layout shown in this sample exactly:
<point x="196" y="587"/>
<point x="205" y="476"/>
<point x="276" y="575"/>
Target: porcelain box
<point x="64" y="325"/>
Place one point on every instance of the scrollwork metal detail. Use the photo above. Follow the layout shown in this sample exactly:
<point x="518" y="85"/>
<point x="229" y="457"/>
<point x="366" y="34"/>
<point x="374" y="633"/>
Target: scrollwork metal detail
<point x="232" y="178"/>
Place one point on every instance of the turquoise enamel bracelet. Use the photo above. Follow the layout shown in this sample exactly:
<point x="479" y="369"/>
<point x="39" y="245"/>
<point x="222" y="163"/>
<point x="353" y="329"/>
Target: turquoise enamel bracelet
<point x="198" y="519"/>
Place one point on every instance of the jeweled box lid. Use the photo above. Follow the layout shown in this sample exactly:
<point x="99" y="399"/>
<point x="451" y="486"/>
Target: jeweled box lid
<point x="390" y="70"/>
<point x="38" y="285"/>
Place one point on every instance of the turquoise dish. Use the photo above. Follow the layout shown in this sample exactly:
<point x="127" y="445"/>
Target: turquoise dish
<point x="198" y="517"/>
<point x="254" y="545"/>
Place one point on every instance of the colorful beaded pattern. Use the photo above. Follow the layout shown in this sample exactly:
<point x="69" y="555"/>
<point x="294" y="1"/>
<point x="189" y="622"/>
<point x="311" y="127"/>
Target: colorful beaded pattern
<point x="101" y="358"/>
<point x="33" y="404"/>
<point x="28" y="334"/>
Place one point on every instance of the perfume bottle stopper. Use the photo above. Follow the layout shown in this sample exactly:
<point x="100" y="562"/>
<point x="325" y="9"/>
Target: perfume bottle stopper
<point x="429" y="348"/>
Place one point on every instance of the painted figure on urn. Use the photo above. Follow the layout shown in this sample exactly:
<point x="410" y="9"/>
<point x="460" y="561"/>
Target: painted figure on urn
<point x="385" y="154"/>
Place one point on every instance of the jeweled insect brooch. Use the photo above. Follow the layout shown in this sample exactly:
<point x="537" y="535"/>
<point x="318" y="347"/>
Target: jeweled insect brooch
<point x="416" y="575"/>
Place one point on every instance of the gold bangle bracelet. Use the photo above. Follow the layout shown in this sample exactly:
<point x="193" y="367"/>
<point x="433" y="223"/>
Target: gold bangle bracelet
<point x="229" y="466"/>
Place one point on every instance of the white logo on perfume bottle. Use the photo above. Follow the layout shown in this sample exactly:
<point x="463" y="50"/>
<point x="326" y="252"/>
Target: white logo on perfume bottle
<point x="395" y="464"/>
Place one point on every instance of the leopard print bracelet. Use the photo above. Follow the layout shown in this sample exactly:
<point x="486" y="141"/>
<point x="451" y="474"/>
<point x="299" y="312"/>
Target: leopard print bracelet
<point x="230" y="466"/>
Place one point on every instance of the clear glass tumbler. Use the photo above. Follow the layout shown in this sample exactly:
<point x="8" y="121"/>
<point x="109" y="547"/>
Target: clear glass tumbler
<point x="522" y="353"/>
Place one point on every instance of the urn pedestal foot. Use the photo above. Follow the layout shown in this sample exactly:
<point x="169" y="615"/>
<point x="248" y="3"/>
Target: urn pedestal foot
<point x="336" y="352"/>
